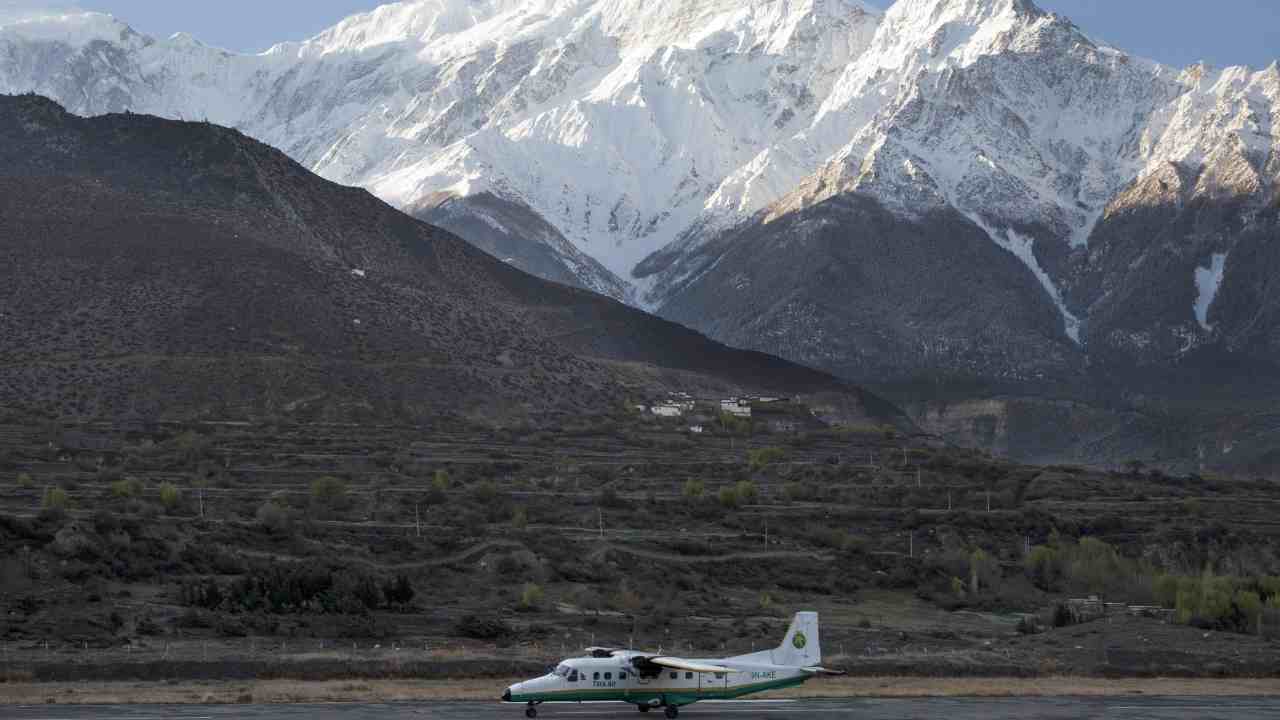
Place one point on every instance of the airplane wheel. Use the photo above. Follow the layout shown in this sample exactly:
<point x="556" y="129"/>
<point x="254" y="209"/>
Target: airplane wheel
<point x="642" y="708"/>
<point x="672" y="712"/>
<point x="531" y="712"/>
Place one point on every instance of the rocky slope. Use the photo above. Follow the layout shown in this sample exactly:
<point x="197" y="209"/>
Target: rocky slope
<point x="154" y="269"/>
<point x="954" y="199"/>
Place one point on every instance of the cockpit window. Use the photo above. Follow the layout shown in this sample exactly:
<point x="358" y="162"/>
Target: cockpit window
<point x="562" y="670"/>
<point x="573" y="676"/>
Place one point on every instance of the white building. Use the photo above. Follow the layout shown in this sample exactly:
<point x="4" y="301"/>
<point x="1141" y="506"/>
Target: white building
<point x="668" y="410"/>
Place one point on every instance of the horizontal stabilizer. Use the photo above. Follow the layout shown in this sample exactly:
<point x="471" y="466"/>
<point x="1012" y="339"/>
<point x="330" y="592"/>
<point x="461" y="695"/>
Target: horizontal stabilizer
<point x="691" y="666"/>
<point x="822" y="671"/>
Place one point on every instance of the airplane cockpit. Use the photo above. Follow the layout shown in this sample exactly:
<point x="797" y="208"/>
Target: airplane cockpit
<point x="566" y="672"/>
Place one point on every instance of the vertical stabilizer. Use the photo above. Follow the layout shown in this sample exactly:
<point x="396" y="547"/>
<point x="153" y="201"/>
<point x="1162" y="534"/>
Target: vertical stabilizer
<point x="800" y="648"/>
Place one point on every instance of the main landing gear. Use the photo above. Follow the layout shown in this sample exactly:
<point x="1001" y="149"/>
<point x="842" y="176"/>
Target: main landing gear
<point x="643" y="708"/>
<point x="672" y="712"/>
<point x="531" y="711"/>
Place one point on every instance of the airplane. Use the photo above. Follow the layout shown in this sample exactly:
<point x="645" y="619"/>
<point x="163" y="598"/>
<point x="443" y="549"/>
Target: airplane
<point x="652" y="680"/>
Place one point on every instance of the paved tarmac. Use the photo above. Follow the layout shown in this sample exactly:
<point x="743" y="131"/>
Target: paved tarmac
<point x="1136" y="708"/>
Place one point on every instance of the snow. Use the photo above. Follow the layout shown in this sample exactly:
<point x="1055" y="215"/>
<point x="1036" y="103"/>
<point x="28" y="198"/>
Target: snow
<point x="1208" y="283"/>
<point x="634" y="126"/>
<point x="1023" y="248"/>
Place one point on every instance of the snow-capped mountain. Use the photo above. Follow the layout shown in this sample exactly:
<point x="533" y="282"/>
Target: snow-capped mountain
<point x="739" y="165"/>
<point x="612" y="120"/>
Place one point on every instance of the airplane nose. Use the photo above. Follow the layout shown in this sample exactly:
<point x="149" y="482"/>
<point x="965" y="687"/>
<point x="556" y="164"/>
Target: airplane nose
<point x="506" y="696"/>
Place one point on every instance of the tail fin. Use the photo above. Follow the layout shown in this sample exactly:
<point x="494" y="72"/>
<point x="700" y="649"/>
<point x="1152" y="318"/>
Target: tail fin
<point x="800" y="648"/>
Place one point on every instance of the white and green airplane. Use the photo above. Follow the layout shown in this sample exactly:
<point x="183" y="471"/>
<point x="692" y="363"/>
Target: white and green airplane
<point x="651" y="680"/>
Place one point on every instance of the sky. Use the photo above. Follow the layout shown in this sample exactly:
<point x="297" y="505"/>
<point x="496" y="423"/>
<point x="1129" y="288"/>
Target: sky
<point x="1175" y="32"/>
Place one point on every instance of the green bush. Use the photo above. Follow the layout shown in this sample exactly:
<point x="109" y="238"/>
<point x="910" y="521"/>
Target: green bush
<point x="694" y="489"/>
<point x="1045" y="568"/>
<point x="25" y="482"/>
<point x="329" y="493"/>
<point x="55" y="498"/>
<point x="728" y="497"/>
<point x="747" y="492"/>
<point x="763" y="457"/>
<point x="520" y="518"/>
<point x="531" y="597"/>
<point x="127" y="488"/>
<point x="170" y="496"/>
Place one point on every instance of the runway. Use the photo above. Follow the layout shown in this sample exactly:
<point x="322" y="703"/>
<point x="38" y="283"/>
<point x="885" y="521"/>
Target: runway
<point x="1136" y="708"/>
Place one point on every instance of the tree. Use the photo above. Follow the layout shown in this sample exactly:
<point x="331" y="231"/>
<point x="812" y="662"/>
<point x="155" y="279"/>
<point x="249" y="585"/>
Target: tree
<point x="520" y="518"/>
<point x="25" y="482"/>
<point x="747" y="492"/>
<point x="983" y="571"/>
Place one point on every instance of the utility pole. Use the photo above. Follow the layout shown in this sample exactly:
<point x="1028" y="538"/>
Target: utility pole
<point x="600" y="511"/>
<point x="201" y="502"/>
<point x="919" y="477"/>
<point x="988" y="501"/>
<point x="766" y="531"/>
<point x="911" y="545"/>
<point x="948" y="499"/>
<point x="417" y="518"/>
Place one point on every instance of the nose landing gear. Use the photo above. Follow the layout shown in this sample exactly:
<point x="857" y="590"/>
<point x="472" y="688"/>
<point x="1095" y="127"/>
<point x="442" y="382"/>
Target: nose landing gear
<point x="531" y="711"/>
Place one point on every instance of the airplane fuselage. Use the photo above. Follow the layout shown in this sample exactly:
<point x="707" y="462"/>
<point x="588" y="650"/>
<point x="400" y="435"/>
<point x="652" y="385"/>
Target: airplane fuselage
<point x="605" y="679"/>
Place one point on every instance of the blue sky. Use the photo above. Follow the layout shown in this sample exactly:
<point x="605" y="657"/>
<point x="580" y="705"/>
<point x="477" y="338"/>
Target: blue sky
<point x="1177" y="32"/>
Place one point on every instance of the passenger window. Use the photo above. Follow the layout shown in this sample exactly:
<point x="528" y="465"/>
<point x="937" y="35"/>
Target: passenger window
<point x="719" y="676"/>
<point x="688" y="676"/>
<point x="622" y="675"/>
<point x="595" y="676"/>
<point x="675" y="676"/>
<point x="573" y="676"/>
<point x="608" y="676"/>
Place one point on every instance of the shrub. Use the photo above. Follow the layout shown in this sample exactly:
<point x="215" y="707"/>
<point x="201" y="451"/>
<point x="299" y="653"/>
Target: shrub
<point x="55" y="498"/>
<point x="694" y="489"/>
<point x="127" y="488"/>
<point x="329" y="492"/>
<point x="276" y="519"/>
<point x="747" y="492"/>
<point x="399" y="592"/>
<point x="520" y="518"/>
<point x="531" y="597"/>
<point x="763" y="457"/>
<point x="728" y="497"/>
<point x="25" y="482"/>
<point x="482" y="627"/>
<point x="170" y="496"/>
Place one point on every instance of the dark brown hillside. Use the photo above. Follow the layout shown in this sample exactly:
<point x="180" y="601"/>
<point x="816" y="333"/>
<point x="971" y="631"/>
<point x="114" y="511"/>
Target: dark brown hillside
<point x="151" y="268"/>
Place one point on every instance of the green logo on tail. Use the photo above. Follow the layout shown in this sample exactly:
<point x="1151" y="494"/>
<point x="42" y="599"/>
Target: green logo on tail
<point x="799" y="641"/>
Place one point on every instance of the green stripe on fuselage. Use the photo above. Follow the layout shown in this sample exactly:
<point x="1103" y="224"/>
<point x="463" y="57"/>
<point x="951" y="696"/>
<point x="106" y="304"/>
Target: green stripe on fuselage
<point x="674" y="696"/>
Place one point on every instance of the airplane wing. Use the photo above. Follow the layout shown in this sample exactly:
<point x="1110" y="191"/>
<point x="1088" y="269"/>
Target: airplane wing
<point x="691" y="666"/>
<point x="822" y="671"/>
